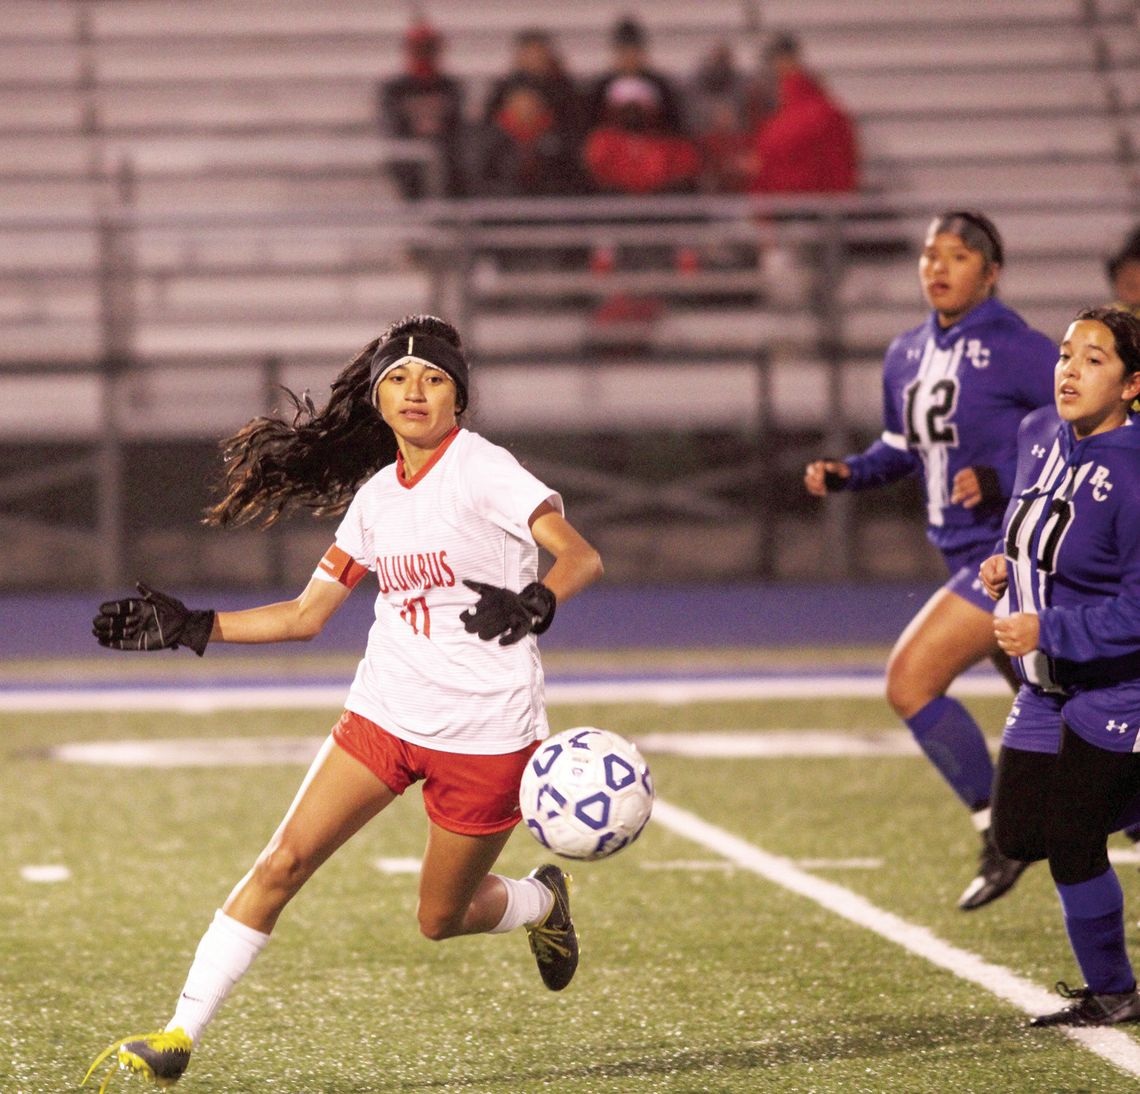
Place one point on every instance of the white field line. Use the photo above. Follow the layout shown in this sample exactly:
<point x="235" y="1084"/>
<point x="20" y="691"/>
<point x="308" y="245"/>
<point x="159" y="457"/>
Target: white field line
<point x="265" y="751"/>
<point x="1112" y="1045"/>
<point x="214" y="697"/>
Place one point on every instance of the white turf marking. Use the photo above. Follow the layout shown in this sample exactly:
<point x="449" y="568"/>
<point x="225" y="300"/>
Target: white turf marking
<point x="397" y="865"/>
<point x="783" y="743"/>
<point x="1112" y="1045"/>
<point x="699" y="864"/>
<point x="207" y="700"/>
<point x="263" y="751"/>
<point x="840" y="863"/>
<point x="192" y="752"/>
<point x="45" y="875"/>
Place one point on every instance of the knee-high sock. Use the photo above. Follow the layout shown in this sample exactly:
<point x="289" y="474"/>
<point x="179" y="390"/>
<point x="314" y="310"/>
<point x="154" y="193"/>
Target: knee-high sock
<point x="528" y="901"/>
<point x="1094" y="920"/>
<point x="952" y="741"/>
<point x="223" y="956"/>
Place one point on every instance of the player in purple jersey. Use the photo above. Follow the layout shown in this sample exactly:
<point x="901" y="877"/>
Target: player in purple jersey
<point x="954" y="390"/>
<point x="1069" y="578"/>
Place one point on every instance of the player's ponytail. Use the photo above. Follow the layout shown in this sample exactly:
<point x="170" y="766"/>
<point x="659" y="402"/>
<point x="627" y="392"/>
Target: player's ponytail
<point x="313" y="461"/>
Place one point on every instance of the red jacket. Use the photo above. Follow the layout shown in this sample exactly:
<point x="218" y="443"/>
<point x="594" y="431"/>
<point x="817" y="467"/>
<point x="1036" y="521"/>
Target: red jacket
<point x="808" y="145"/>
<point x="641" y="163"/>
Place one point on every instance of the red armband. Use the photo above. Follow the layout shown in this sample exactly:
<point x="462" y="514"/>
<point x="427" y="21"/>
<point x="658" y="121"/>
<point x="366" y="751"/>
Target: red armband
<point x="341" y="566"/>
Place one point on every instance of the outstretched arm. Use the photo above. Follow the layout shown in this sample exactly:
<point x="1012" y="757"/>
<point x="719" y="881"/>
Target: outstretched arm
<point x="156" y="621"/>
<point x="295" y="620"/>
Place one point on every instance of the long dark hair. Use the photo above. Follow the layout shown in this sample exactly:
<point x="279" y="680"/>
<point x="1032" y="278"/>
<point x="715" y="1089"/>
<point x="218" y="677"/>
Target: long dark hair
<point x="316" y="460"/>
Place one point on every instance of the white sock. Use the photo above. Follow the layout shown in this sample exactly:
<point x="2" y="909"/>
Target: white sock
<point x="528" y="901"/>
<point x="223" y="956"/>
<point x="981" y="819"/>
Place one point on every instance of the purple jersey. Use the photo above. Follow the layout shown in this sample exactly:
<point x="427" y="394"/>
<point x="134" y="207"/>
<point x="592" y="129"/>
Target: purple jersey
<point x="953" y="399"/>
<point x="1072" y="547"/>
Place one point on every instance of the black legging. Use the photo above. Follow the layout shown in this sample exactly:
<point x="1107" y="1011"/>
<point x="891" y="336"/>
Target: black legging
<point x="1062" y="807"/>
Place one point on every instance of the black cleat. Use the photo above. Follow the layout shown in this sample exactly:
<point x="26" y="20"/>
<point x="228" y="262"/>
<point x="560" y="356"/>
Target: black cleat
<point x="996" y="876"/>
<point x="554" y="941"/>
<point x="1091" y="1009"/>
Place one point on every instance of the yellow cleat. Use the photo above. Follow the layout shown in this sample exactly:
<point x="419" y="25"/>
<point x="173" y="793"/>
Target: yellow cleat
<point x="160" y="1057"/>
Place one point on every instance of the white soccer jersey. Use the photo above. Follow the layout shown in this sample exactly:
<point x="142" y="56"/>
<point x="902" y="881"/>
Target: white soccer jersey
<point x="423" y="677"/>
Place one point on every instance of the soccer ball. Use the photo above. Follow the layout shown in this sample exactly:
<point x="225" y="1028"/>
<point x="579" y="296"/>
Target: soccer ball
<point x="586" y="793"/>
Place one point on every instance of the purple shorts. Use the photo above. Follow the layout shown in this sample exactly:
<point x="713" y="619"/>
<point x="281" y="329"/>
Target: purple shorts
<point x="1108" y="718"/>
<point x="1034" y="722"/>
<point x="963" y="567"/>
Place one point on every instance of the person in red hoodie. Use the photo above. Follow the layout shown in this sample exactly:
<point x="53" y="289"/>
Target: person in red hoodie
<point x="808" y="144"/>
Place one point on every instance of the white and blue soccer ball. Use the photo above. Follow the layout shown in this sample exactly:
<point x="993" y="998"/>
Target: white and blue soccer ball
<point x="586" y="793"/>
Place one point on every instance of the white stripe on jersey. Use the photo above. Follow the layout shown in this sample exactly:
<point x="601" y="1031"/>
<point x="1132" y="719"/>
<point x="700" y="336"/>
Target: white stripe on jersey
<point x="937" y="364"/>
<point x="1037" y="528"/>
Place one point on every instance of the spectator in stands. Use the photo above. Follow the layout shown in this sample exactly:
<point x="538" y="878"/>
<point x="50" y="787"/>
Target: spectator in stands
<point x="955" y="389"/>
<point x="537" y="64"/>
<point x="1124" y="274"/>
<point x="631" y="59"/>
<point x="531" y="133"/>
<point x="717" y="103"/>
<point x="525" y="153"/>
<point x="634" y="150"/>
<point x="424" y="103"/>
<point x="807" y="145"/>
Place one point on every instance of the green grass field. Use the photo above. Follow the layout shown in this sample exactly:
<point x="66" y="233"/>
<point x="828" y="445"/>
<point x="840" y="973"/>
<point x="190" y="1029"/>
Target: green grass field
<point x="695" y="975"/>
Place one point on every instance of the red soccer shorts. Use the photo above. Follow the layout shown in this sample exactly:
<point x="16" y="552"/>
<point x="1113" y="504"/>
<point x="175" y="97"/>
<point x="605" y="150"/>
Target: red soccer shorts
<point x="470" y="795"/>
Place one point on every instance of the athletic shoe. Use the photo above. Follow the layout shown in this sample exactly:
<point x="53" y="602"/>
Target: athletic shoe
<point x="996" y="876"/>
<point x="160" y="1057"/>
<point x="1091" y="1009"/>
<point x="554" y="941"/>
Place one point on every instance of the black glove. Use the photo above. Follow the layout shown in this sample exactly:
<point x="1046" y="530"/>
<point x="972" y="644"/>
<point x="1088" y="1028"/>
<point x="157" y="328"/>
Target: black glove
<point x="989" y="485"/>
<point x="512" y="615"/>
<point x="154" y="622"/>
<point x="833" y="480"/>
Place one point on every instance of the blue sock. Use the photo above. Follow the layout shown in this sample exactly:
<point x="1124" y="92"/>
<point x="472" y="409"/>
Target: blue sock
<point x="1094" y="919"/>
<point x="952" y="741"/>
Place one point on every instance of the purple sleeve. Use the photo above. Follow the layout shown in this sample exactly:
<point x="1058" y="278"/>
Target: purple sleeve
<point x="1110" y="628"/>
<point x="883" y="463"/>
<point x="880" y="465"/>
<point x="1038" y="356"/>
<point x="1031" y="356"/>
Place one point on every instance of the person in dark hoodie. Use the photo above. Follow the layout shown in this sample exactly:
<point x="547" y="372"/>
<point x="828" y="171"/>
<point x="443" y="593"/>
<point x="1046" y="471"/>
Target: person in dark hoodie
<point x="631" y="59"/>
<point x="955" y="389"/>
<point x="807" y="145"/>
<point x="424" y="103"/>
<point x="1068" y="576"/>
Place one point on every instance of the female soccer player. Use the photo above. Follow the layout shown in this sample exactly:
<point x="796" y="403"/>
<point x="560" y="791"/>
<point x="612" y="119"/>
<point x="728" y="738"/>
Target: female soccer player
<point x="451" y="531"/>
<point x="1068" y="771"/>
<point x="954" y="390"/>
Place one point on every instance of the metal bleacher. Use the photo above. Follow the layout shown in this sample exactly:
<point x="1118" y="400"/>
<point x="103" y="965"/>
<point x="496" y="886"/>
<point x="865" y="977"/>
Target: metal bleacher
<point x="194" y="207"/>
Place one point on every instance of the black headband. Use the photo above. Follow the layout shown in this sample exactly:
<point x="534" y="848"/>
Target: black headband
<point x="420" y="347"/>
<point x="975" y="231"/>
